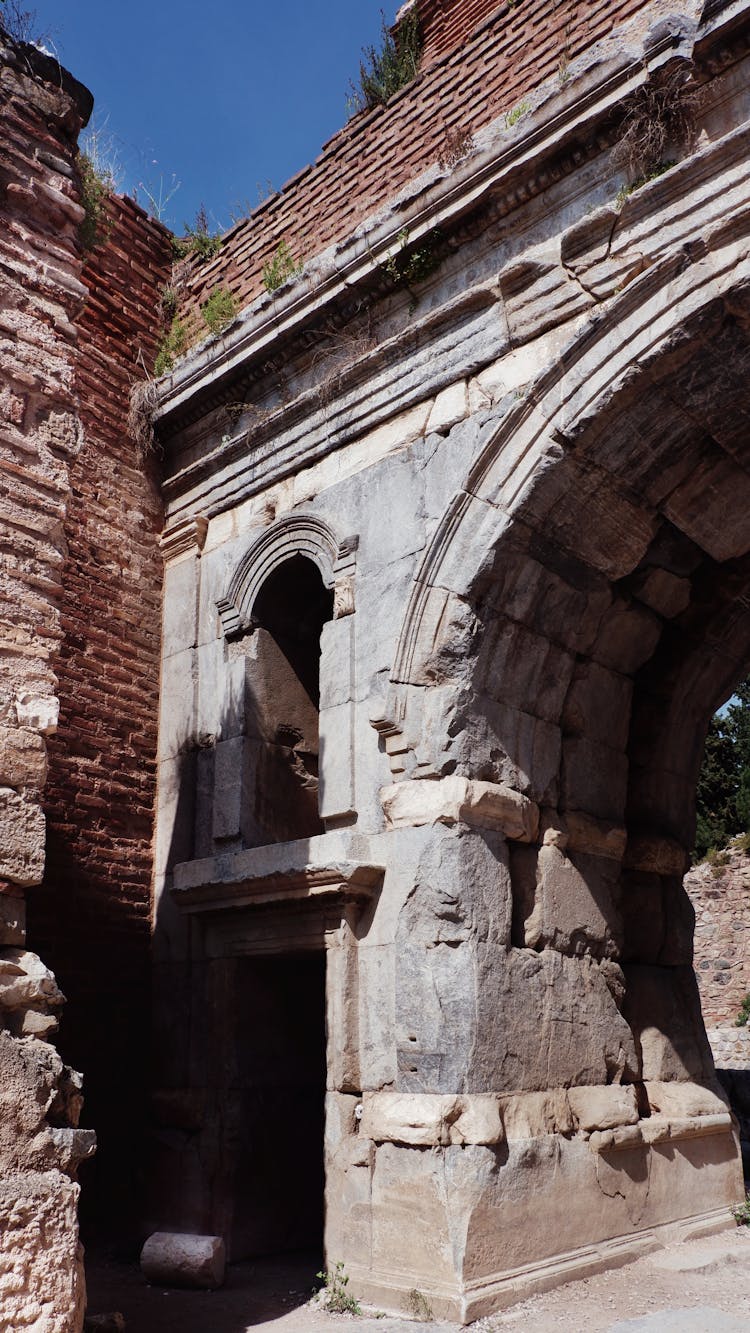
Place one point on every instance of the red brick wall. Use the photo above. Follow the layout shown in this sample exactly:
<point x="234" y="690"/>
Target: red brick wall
<point x="444" y="24"/>
<point x="491" y="70"/>
<point x="91" y="919"/>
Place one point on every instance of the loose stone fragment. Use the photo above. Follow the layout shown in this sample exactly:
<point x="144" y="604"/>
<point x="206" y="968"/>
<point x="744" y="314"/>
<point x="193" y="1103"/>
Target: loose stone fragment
<point x="183" y="1261"/>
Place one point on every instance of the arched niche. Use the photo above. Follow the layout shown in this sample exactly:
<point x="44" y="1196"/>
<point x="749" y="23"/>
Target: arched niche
<point x="296" y="535"/>
<point x="295" y="582"/>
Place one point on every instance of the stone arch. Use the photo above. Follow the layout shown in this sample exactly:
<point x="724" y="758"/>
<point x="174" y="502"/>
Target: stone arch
<point x="581" y="611"/>
<point x="294" y="535"/>
<point x="551" y="477"/>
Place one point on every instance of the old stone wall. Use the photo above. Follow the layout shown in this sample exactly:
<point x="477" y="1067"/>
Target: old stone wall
<point x="720" y="894"/>
<point x="91" y="919"/>
<point x="41" y="296"/>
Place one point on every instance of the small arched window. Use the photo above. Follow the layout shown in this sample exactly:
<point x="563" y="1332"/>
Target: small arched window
<point x="282" y="698"/>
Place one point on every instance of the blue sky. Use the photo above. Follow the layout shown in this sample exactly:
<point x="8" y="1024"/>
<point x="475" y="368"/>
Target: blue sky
<point x="222" y="98"/>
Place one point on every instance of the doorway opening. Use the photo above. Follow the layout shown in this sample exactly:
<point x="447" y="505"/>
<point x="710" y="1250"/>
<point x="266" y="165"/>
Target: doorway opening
<point x="278" y="1104"/>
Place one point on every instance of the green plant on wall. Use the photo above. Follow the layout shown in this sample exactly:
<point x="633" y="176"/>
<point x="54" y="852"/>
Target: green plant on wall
<point x="513" y="116"/>
<point x="95" y="187"/>
<point x="219" y="310"/>
<point x="409" y="265"/>
<point x="172" y="345"/>
<point x="282" y="267"/>
<point x="337" y="1298"/>
<point x="198" y="240"/>
<point x="390" y="66"/>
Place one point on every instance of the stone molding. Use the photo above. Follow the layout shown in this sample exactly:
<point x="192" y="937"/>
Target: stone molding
<point x="606" y="1117"/>
<point x="188" y="537"/>
<point x="296" y="534"/>
<point x="457" y="800"/>
<point x="284" y="872"/>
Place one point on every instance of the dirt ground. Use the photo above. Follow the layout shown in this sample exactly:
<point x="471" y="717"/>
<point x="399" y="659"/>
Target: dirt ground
<point x="696" y="1287"/>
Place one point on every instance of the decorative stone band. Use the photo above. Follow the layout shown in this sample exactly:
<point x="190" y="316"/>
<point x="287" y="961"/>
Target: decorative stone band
<point x="457" y="800"/>
<point x="607" y="1117"/>
<point x="426" y="1120"/>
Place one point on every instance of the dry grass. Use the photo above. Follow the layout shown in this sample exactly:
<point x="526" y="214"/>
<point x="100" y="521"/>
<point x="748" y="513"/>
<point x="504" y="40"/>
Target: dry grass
<point x="659" y="116"/>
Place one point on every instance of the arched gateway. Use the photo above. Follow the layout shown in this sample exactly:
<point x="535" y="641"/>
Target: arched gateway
<point x="514" y="503"/>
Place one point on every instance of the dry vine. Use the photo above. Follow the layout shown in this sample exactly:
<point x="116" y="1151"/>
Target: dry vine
<point x="658" y="115"/>
<point x="144" y="399"/>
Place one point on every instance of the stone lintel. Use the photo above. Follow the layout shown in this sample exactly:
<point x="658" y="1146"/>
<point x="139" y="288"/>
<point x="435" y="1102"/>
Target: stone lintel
<point x="275" y="874"/>
<point x="457" y="800"/>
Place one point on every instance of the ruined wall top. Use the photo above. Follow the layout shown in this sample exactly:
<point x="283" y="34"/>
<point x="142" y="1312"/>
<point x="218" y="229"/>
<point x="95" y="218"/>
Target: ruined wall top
<point x="480" y="60"/>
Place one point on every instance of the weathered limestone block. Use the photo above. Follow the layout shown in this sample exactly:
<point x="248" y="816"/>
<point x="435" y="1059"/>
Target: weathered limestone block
<point x="461" y="901"/>
<point x="25" y="981"/>
<point x="518" y="750"/>
<point x="584" y="248"/>
<point x="38" y="713"/>
<point x="423" y="1120"/>
<point x="41" y="1262"/>
<point x="663" y="1009"/>
<point x="656" y="855"/>
<point x="40" y="1258"/>
<point x="603" y="1108"/>
<point x="449" y="407"/>
<point x="663" y="591"/>
<point x="526" y="1040"/>
<point x="594" y="778"/>
<point x="22" y="831"/>
<point x="184" y="1261"/>
<point x="472" y="1014"/>
<point x="457" y="800"/>
<point x="682" y="1100"/>
<point x="531" y="1115"/>
<point x="598" y="837"/>
<point x="575" y="904"/>
<point x="23" y="758"/>
<point x="598" y="704"/>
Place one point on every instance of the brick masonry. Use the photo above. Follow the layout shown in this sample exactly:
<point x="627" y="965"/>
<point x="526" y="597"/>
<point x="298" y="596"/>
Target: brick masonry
<point x="91" y="919"/>
<point x="41" y="297"/>
<point x="480" y="60"/>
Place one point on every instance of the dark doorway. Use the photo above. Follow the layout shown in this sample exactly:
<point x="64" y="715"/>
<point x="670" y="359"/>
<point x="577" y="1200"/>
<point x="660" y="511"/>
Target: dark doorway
<point x="279" y="1104"/>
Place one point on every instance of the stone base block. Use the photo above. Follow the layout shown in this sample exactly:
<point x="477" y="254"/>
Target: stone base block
<point x="476" y="1228"/>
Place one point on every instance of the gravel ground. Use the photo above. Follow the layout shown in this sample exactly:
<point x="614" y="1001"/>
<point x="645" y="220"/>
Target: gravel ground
<point x="696" y="1287"/>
